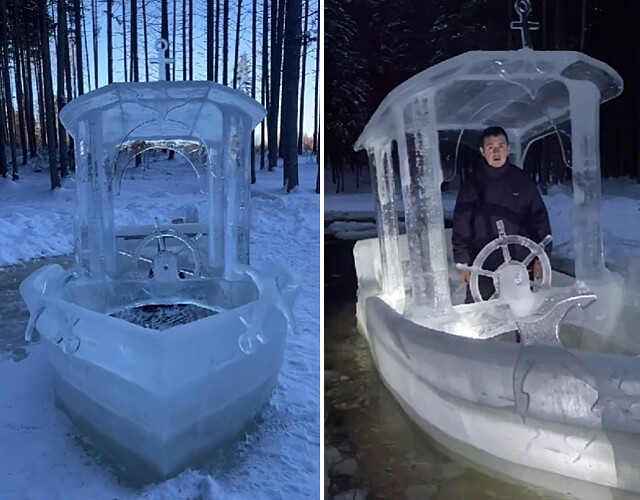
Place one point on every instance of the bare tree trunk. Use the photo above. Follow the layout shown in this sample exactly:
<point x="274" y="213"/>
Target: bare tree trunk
<point x="146" y="44"/>
<point x="583" y="25"/>
<point x="48" y="93"/>
<point x="210" y="28"/>
<point x="184" y="38"/>
<point x="217" y="57"/>
<point x="173" y="43"/>
<point x="225" y="43"/>
<point x="237" y="50"/>
<point x="86" y="47"/>
<point x="31" y="119"/>
<point x="190" y="39"/>
<point x="17" y="49"/>
<point x="61" y="62"/>
<point x="7" y="87"/>
<point x="4" y="171"/>
<point x="124" y="40"/>
<point x="109" y="41"/>
<point x="277" y="29"/>
<point x="305" y="41"/>
<point x="254" y="49"/>
<point x="96" y="35"/>
<point x="41" y="104"/>
<point x="290" y="79"/>
<point x="264" y="76"/>
<point x="135" y="72"/>
<point x="78" y="25"/>
<point x="164" y="33"/>
<point x="281" y="26"/>
<point x="316" y="117"/>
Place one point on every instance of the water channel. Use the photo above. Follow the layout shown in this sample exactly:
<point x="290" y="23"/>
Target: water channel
<point x="13" y="310"/>
<point x="363" y="422"/>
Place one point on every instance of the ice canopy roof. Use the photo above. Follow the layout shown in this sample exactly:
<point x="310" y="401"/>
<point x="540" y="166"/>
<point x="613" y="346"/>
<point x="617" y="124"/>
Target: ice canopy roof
<point x="159" y="110"/>
<point x="524" y="91"/>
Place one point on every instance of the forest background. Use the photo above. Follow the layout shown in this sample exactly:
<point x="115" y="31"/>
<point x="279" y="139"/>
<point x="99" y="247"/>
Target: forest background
<point x="55" y="50"/>
<point x="371" y="46"/>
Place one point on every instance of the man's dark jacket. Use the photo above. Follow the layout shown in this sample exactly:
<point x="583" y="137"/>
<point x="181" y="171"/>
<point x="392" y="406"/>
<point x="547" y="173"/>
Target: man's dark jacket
<point x="488" y="195"/>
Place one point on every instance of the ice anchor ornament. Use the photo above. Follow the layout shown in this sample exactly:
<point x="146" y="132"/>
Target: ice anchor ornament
<point x="523" y="9"/>
<point x="162" y="61"/>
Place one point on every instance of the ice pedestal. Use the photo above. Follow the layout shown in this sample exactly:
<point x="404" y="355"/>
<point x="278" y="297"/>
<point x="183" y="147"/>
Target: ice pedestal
<point x="151" y="400"/>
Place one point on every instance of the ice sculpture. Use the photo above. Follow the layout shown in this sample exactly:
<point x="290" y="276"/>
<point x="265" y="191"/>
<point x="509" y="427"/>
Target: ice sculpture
<point x="516" y="383"/>
<point x="164" y="341"/>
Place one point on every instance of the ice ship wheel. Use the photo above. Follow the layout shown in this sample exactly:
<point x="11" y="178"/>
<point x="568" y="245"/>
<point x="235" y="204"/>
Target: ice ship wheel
<point x="165" y="259"/>
<point x="503" y="241"/>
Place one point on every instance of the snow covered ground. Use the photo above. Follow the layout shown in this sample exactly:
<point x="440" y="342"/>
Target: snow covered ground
<point x="620" y="218"/>
<point x="43" y="457"/>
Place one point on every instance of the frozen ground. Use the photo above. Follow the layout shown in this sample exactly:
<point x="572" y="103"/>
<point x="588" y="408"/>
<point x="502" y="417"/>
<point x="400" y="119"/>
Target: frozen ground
<point x="43" y="457"/>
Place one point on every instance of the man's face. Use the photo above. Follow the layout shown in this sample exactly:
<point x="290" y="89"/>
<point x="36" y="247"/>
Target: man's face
<point x="495" y="150"/>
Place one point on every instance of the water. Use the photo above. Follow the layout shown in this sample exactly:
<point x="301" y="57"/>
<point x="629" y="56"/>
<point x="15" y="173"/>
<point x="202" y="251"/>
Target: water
<point x="13" y="310"/>
<point x="395" y="459"/>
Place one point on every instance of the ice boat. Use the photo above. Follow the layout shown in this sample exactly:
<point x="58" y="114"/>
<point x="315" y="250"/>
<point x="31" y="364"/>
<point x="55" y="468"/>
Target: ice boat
<point x="164" y="340"/>
<point x="525" y="383"/>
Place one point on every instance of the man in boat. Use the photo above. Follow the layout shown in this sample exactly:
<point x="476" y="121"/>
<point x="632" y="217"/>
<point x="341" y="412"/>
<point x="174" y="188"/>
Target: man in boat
<point x="497" y="190"/>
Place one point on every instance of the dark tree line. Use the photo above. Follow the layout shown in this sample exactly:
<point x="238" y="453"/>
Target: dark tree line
<point x="371" y="46"/>
<point x="45" y="63"/>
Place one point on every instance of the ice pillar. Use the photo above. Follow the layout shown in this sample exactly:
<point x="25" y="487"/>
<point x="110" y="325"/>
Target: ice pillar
<point x="243" y="188"/>
<point x="94" y="227"/>
<point x="585" y="145"/>
<point x="387" y="221"/>
<point x="515" y="145"/>
<point x="421" y="176"/>
<point x="231" y="176"/>
<point x="216" y="209"/>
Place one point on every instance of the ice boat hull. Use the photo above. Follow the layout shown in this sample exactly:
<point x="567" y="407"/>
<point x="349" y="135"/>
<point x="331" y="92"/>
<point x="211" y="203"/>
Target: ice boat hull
<point x="558" y="418"/>
<point x="156" y="401"/>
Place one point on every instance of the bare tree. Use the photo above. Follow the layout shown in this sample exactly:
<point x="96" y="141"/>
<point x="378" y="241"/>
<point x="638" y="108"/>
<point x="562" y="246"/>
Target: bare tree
<point x="61" y="61"/>
<point x="146" y="45"/>
<point x="96" y="37"/>
<point x="254" y="43"/>
<point x="164" y="33"/>
<point x="173" y="42"/>
<point x="237" y="48"/>
<point x="30" y="114"/>
<point x="17" y="49"/>
<point x="135" y="72"/>
<point x="277" y="30"/>
<point x="7" y="86"/>
<point x="124" y="40"/>
<point x="290" y="79"/>
<point x="316" y="116"/>
<point x="190" y="39"/>
<point x="210" y="49"/>
<point x="217" y="40"/>
<point x="305" y="41"/>
<point x="225" y="43"/>
<point x="42" y="113"/>
<point x="265" y="76"/>
<point x="77" y="14"/>
<point x="86" y="47"/>
<point x="48" y="92"/>
<point x="109" y="41"/>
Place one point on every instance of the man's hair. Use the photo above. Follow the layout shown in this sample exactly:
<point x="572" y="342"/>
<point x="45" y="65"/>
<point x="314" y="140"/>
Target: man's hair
<point x="493" y="132"/>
